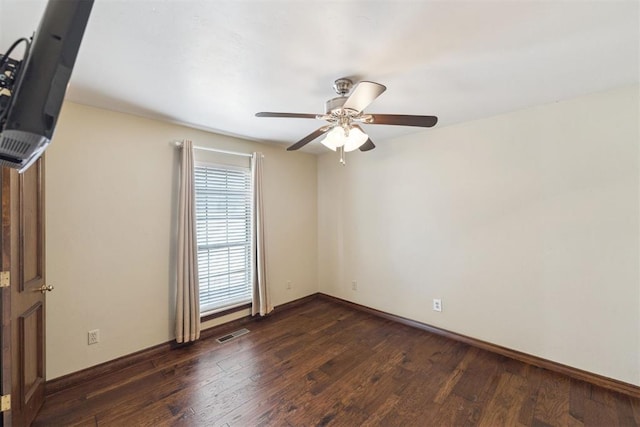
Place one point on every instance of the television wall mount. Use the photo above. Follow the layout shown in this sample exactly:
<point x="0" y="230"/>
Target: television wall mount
<point x="9" y="75"/>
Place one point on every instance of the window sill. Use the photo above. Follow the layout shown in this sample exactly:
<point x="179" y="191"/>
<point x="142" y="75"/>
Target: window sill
<point x="206" y="317"/>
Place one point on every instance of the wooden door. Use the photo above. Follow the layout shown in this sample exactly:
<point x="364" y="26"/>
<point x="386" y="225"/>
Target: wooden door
<point x="23" y="196"/>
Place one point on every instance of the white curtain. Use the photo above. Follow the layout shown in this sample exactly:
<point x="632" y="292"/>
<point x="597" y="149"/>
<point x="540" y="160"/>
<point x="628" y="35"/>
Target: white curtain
<point x="261" y="300"/>
<point x="187" y="301"/>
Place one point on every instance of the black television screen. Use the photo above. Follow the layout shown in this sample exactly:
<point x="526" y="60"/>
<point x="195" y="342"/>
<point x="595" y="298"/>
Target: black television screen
<point x="34" y="88"/>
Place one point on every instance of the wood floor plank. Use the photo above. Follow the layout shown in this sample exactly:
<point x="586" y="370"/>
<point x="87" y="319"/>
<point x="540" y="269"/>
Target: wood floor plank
<point x="625" y="411"/>
<point x="121" y="398"/>
<point x="278" y="394"/>
<point x="480" y="378"/>
<point x="413" y="408"/>
<point x="504" y="407"/>
<point x="599" y="414"/>
<point x="375" y="419"/>
<point x="635" y="407"/>
<point x="187" y="379"/>
<point x="359" y="391"/>
<point x="453" y="379"/>
<point x="579" y="393"/>
<point x="552" y="403"/>
<point x="279" y="369"/>
<point x="457" y="411"/>
<point x="534" y="376"/>
<point x="218" y="399"/>
<point x="322" y="363"/>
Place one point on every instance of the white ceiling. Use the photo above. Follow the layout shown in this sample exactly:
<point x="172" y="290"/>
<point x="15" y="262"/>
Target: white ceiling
<point x="213" y="64"/>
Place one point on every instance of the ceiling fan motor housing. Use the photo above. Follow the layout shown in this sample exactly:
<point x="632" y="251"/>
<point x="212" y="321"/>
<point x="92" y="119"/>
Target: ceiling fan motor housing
<point x="342" y="87"/>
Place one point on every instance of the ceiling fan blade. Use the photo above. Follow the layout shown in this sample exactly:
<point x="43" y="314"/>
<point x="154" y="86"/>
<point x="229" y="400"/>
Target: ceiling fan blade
<point x="287" y="115"/>
<point x="402" y="120"/>
<point x="363" y="94"/>
<point x="307" y="139"/>
<point x="369" y="145"/>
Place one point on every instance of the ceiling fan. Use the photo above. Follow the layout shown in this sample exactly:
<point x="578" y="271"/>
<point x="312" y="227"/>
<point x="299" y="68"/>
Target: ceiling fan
<point x="345" y="112"/>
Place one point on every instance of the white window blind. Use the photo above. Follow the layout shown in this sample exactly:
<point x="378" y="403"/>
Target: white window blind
<point x="223" y="228"/>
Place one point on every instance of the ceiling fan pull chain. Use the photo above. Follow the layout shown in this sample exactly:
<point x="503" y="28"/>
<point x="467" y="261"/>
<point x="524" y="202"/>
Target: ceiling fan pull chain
<point x="342" y="155"/>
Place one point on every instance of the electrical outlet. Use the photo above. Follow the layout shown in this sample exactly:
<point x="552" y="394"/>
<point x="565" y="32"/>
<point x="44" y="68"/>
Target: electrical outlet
<point x="437" y="304"/>
<point x="354" y="286"/>
<point x="288" y="284"/>
<point x="94" y="336"/>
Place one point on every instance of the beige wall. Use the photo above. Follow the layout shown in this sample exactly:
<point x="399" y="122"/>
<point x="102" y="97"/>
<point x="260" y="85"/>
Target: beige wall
<point x="111" y="190"/>
<point x="524" y="224"/>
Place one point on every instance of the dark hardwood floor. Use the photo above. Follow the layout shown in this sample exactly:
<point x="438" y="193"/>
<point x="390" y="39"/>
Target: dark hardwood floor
<point x="325" y="364"/>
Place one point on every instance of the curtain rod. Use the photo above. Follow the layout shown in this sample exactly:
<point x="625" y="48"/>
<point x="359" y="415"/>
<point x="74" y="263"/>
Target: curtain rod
<point x="215" y="150"/>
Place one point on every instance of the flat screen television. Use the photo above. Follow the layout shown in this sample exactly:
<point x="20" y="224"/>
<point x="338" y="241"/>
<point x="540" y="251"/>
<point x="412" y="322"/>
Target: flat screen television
<point x="32" y="89"/>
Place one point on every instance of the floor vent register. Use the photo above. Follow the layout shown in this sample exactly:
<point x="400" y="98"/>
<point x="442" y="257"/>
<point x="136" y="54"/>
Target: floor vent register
<point x="232" y="335"/>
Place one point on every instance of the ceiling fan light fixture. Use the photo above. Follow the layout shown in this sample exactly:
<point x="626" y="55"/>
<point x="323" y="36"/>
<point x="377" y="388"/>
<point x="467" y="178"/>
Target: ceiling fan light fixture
<point x="355" y="140"/>
<point x="333" y="139"/>
<point x="337" y="138"/>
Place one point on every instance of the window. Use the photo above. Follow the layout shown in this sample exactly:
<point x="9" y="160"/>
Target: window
<point x="223" y="229"/>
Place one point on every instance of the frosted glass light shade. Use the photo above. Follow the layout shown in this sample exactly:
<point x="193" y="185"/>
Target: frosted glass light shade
<point x="336" y="138"/>
<point x="333" y="139"/>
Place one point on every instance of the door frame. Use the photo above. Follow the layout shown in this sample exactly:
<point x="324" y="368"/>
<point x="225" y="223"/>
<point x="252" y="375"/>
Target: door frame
<point x="5" y="293"/>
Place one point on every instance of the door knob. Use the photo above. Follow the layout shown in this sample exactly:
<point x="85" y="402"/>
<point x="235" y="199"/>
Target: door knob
<point x="44" y="288"/>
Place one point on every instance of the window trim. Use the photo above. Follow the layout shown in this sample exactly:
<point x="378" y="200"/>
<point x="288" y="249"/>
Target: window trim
<point x="210" y="315"/>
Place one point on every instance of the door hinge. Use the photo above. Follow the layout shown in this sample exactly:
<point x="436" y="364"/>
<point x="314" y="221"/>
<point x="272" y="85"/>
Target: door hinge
<point x="5" y="279"/>
<point x="5" y="403"/>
